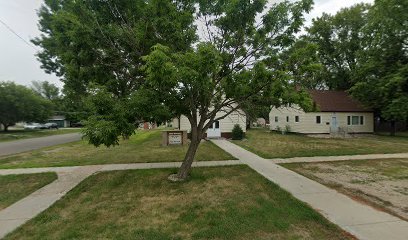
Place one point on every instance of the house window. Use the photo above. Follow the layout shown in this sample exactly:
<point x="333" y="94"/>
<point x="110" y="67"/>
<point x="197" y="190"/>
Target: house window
<point x="217" y="124"/>
<point x="287" y="118"/>
<point x="296" y="118"/>
<point x="318" y="119"/>
<point x="355" y="120"/>
<point x="276" y="119"/>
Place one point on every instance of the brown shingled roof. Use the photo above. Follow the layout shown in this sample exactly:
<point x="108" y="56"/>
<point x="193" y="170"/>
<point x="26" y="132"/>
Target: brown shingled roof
<point x="336" y="101"/>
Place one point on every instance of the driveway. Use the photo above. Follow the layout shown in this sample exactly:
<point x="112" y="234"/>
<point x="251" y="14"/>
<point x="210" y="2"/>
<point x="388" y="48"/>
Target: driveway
<point x="19" y="146"/>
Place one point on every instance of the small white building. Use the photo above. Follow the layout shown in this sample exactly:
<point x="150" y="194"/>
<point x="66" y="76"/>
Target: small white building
<point x="222" y="128"/>
<point x="336" y="112"/>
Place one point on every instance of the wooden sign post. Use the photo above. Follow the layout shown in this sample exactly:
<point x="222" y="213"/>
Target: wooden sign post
<point x="174" y="137"/>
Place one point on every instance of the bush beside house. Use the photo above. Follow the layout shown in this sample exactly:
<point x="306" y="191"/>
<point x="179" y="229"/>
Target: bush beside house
<point x="237" y="132"/>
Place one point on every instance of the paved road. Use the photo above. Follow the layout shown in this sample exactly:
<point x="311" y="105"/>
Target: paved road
<point x="19" y="146"/>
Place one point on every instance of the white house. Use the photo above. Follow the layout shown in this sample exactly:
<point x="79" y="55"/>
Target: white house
<point x="221" y="128"/>
<point x="336" y="112"/>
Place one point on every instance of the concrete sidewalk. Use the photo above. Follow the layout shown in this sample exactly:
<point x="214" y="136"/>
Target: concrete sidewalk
<point x="19" y="146"/>
<point x="20" y="212"/>
<point x="362" y="221"/>
<point x="68" y="177"/>
<point x="114" y="167"/>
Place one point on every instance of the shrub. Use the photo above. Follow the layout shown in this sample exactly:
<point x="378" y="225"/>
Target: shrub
<point x="287" y="129"/>
<point x="237" y="133"/>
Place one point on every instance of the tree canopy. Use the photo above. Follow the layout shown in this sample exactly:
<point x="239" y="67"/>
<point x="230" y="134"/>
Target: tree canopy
<point x="46" y="89"/>
<point x="229" y="68"/>
<point x="302" y="62"/>
<point x="96" y="49"/>
<point x="19" y="103"/>
<point x="382" y="75"/>
<point x="339" y="39"/>
<point x="139" y="60"/>
<point x="102" y="42"/>
<point x="361" y="49"/>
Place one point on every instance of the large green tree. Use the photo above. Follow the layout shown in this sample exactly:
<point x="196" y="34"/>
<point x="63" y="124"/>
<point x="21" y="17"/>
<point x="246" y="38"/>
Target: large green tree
<point x="229" y="67"/>
<point x="98" y="48"/>
<point x="19" y="103"/>
<point x="97" y="42"/>
<point x="382" y="74"/>
<point x="339" y="39"/>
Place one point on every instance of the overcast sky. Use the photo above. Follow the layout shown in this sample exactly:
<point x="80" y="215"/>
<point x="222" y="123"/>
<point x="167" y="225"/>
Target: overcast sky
<point x="17" y="60"/>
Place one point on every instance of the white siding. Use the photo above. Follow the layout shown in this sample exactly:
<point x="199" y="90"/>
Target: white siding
<point x="184" y="123"/>
<point x="175" y="123"/>
<point x="307" y="121"/>
<point x="226" y="124"/>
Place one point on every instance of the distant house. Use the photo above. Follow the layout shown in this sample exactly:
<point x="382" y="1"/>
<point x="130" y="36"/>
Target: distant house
<point x="60" y="120"/>
<point x="336" y="111"/>
<point x="260" y="122"/>
<point x="221" y="128"/>
<point x="147" y="125"/>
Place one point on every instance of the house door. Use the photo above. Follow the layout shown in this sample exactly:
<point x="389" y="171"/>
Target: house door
<point x="214" y="131"/>
<point x="334" y="125"/>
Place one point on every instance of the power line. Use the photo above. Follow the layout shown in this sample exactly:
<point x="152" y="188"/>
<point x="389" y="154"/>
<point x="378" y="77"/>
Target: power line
<point x="11" y="30"/>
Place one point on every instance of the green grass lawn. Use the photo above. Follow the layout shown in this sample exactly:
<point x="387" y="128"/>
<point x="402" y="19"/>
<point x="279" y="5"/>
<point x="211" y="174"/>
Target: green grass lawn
<point x="16" y="187"/>
<point x="275" y="145"/>
<point x="144" y="146"/>
<point x="216" y="203"/>
<point x="18" y="134"/>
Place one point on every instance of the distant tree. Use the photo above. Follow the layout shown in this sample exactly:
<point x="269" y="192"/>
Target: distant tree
<point x="339" y="39"/>
<point x="46" y="89"/>
<point x="303" y="64"/>
<point x="65" y="102"/>
<point x="18" y="103"/>
<point x="50" y="92"/>
<point x="254" y="110"/>
<point x="73" y="107"/>
<point x="382" y="76"/>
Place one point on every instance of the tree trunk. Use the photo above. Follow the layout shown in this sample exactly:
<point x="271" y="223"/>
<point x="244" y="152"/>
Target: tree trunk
<point x="393" y="129"/>
<point x="5" y="127"/>
<point x="185" y="167"/>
